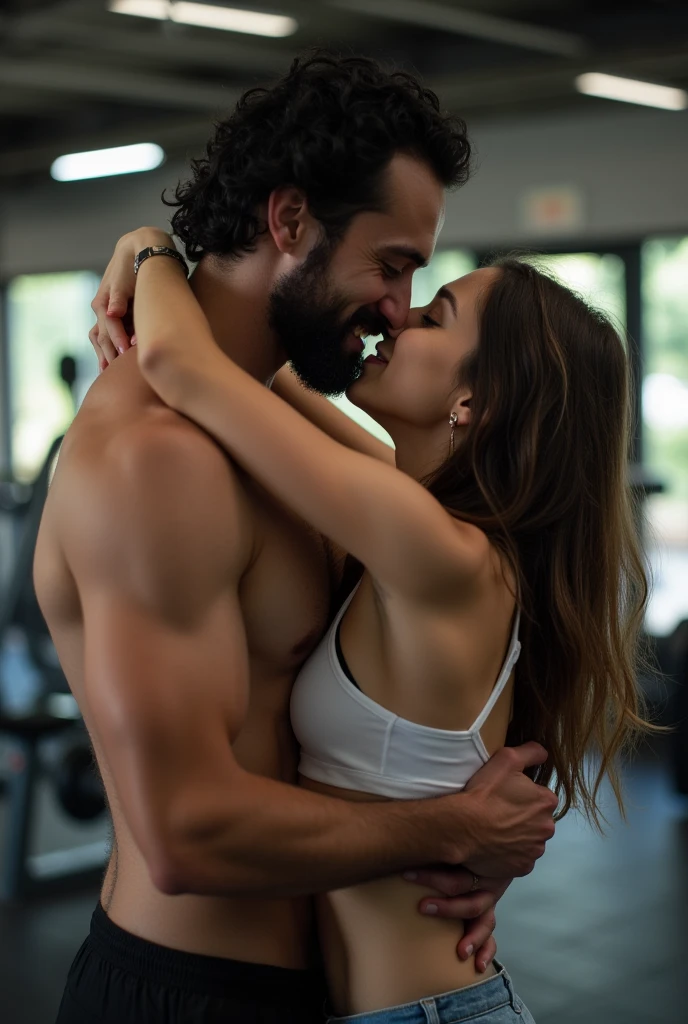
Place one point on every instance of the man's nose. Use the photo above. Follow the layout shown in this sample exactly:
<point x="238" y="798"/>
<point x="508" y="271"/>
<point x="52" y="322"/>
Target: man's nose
<point x="395" y="306"/>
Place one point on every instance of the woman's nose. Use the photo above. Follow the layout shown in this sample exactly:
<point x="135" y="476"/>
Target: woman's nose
<point x="412" y="320"/>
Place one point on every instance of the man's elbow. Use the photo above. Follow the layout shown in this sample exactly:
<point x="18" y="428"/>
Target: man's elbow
<point x="168" y="877"/>
<point x="185" y="862"/>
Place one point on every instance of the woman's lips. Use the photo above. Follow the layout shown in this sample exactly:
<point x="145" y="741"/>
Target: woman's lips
<point x="375" y="359"/>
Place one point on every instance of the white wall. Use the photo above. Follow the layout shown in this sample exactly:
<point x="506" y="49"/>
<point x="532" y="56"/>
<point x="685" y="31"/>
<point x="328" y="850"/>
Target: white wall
<point x="629" y="165"/>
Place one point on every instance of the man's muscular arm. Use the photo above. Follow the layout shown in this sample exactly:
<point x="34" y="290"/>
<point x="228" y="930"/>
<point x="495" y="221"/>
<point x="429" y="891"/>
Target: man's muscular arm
<point x="157" y="548"/>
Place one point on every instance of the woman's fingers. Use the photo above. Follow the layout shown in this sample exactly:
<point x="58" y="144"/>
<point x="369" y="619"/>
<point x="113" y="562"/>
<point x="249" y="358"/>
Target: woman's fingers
<point x="117" y="304"/>
<point x="116" y="331"/>
<point x="93" y="337"/>
<point x="105" y="343"/>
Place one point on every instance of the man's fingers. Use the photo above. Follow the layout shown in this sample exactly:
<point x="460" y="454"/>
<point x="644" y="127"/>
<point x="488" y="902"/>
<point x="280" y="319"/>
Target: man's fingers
<point x="486" y="954"/>
<point x="478" y="933"/>
<point x="529" y="755"/>
<point x="460" y="908"/>
<point x="447" y="881"/>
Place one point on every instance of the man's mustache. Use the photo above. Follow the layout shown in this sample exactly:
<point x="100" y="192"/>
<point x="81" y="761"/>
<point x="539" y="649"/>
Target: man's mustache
<point x="374" y="323"/>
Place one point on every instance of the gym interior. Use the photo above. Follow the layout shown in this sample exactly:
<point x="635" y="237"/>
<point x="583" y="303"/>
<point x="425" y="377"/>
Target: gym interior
<point x="583" y="171"/>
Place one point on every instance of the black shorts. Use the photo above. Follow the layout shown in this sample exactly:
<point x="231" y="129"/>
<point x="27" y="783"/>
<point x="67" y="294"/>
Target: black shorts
<point x="118" y="978"/>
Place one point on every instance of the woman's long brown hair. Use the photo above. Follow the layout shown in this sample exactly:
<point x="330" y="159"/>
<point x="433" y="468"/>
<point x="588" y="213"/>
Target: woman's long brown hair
<point x="543" y="469"/>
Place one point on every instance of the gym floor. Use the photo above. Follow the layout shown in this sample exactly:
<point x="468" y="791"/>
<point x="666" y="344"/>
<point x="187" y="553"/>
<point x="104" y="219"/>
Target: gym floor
<point x="596" y="935"/>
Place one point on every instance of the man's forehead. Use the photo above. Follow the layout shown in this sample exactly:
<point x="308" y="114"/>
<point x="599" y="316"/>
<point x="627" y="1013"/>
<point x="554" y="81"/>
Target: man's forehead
<point x="415" y="201"/>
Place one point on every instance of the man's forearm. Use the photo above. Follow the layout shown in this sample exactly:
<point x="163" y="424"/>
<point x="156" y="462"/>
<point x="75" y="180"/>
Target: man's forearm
<point x="276" y="840"/>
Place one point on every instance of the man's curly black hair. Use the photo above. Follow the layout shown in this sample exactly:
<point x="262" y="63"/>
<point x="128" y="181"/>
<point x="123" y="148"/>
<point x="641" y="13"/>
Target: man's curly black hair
<point x="330" y="126"/>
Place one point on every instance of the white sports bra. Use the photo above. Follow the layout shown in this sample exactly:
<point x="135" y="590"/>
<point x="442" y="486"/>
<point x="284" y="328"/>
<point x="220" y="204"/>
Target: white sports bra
<point x="349" y="741"/>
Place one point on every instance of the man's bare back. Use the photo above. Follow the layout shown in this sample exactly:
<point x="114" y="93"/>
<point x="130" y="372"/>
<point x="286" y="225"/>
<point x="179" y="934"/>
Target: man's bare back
<point x="279" y="610"/>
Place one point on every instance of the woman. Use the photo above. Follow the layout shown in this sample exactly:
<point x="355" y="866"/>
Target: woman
<point x="506" y="528"/>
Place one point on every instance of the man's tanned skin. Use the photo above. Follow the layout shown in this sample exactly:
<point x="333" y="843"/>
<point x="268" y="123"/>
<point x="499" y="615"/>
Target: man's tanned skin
<point x="183" y="599"/>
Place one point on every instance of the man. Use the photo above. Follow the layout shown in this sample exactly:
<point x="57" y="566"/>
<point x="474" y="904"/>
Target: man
<point x="183" y="599"/>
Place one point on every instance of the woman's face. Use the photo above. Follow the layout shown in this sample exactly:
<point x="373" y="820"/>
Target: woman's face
<point x="413" y="382"/>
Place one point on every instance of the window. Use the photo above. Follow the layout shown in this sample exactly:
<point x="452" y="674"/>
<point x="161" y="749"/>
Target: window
<point x="444" y="267"/>
<point x="665" y="423"/>
<point x="600" y="278"/>
<point x="49" y="316"/>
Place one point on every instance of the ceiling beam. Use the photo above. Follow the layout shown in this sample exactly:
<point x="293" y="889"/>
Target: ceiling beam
<point x="135" y="88"/>
<point x="469" y="23"/>
<point x="162" y="43"/>
<point x="489" y="89"/>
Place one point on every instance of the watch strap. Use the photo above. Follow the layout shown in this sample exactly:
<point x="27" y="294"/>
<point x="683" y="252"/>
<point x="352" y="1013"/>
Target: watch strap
<point x="159" y="250"/>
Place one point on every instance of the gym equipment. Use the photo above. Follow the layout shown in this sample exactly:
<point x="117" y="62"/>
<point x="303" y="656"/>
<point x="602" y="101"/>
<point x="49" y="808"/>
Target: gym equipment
<point x="55" y="714"/>
<point x="78" y="784"/>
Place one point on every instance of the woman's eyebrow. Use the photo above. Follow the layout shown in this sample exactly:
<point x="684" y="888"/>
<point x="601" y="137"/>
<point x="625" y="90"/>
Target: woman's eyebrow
<point x="444" y="293"/>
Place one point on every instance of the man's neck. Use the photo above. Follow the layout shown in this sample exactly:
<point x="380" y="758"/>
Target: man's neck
<point x="235" y="299"/>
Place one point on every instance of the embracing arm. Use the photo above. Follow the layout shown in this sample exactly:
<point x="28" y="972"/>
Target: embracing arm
<point x="166" y="691"/>
<point x="325" y="415"/>
<point x="366" y="506"/>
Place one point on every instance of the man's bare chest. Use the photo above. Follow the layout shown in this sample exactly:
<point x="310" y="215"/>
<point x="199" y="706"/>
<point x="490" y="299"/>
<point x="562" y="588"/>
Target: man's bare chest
<point x="285" y="594"/>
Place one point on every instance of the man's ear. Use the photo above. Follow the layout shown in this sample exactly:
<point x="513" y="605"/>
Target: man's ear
<point x="462" y="408"/>
<point x="289" y="220"/>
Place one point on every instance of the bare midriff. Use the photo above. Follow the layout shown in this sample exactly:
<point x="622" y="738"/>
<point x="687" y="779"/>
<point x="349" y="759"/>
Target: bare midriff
<point x="378" y="950"/>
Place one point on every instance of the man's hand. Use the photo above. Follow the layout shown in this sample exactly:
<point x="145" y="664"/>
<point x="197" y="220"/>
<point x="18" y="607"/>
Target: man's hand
<point x="510" y="817"/>
<point x="461" y="900"/>
<point x="112" y="334"/>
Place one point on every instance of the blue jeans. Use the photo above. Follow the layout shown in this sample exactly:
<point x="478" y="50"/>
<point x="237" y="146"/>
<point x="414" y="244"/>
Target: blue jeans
<point x="487" y="1002"/>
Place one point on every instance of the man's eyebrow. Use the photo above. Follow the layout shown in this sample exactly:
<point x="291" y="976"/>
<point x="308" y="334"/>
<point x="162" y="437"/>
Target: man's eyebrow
<point x="444" y="293"/>
<point x="407" y="252"/>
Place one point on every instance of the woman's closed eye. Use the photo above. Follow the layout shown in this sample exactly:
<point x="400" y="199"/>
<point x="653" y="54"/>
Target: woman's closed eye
<point x="428" y="321"/>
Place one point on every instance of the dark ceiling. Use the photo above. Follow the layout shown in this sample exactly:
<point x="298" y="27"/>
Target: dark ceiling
<point x="75" y="76"/>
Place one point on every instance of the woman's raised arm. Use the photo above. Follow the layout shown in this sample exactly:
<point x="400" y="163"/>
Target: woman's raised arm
<point x="384" y="518"/>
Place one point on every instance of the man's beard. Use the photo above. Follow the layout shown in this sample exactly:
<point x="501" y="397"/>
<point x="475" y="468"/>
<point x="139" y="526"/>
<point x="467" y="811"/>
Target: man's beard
<point x="307" y="314"/>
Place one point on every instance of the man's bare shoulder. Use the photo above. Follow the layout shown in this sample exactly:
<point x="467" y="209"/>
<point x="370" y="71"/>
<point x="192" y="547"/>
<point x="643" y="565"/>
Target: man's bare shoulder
<point x="154" y="501"/>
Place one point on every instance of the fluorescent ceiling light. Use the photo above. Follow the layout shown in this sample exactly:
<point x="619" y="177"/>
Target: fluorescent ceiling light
<point x="630" y="90"/>
<point x="100" y="163"/>
<point x="231" y="19"/>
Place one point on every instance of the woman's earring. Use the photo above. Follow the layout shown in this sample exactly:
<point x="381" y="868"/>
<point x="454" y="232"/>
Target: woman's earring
<point x="452" y="423"/>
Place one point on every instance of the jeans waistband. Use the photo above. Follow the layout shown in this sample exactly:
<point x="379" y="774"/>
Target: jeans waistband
<point x="466" y="1003"/>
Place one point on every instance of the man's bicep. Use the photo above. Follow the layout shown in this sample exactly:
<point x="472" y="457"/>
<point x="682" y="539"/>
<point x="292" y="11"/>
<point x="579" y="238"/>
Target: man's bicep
<point x="164" y="702"/>
<point x="157" y="555"/>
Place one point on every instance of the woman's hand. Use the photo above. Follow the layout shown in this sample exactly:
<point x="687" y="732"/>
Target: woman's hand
<point x="112" y="334"/>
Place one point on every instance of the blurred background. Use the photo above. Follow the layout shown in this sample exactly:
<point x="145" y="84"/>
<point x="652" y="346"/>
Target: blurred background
<point x="578" y="112"/>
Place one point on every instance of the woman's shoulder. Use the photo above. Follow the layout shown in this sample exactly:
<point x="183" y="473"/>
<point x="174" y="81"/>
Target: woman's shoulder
<point x="475" y="554"/>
